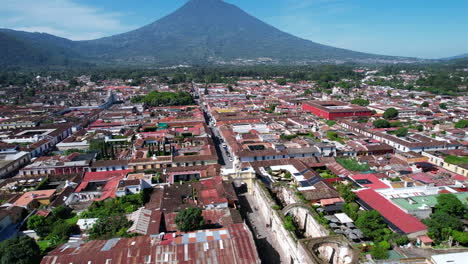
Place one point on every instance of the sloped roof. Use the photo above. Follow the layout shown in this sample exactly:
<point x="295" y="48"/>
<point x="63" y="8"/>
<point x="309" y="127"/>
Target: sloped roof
<point x="231" y="245"/>
<point x="397" y="217"/>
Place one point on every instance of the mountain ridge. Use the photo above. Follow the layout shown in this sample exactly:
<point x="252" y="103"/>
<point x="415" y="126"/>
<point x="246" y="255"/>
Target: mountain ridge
<point x="199" y="32"/>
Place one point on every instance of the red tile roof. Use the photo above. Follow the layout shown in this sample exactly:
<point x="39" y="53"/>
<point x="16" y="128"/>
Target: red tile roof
<point x="375" y="182"/>
<point x="403" y="221"/>
<point x="425" y="239"/>
<point x="28" y="197"/>
<point x="112" y="179"/>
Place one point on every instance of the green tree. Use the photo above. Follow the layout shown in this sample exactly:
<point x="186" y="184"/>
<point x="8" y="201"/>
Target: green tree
<point x="379" y="252"/>
<point x="189" y="219"/>
<point x="381" y="123"/>
<point x="360" y="101"/>
<point x="164" y="99"/>
<point x="401" y="132"/>
<point x="440" y="225"/>
<point x="39" y="224"/>
<point x="333" y="135"/>
<point x="402" y="240"/>
<point x="371" y="224"/>
<point x="461" y="237"/>
<point x="425" y="104"/>
<point x="351" y="209"/>
<point x="331" y="123"/>
<point x="109" y="227"/>
<point x="420" y="128"/>
<point x="62" y="212"/>
<point x="19" y="250"/>
<point x="461" y="124"/>
<point x="450" y="204"/>
<point x="73" y="83"/>
<point x="390" y="113"/>
<point x="346" y="192"/>
<point x="443" y="106"/>
<point x="61" y="231"/>
<point x="384" y="244"/>
<point x="281" y="81"/>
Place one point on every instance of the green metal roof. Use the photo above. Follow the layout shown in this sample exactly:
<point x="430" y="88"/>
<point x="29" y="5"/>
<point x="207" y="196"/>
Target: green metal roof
<point x="415" y="202"/>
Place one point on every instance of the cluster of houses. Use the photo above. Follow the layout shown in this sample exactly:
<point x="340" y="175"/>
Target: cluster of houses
<point x="292" y="139"/>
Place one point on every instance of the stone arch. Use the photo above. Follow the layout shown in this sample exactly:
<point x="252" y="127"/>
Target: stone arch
<point x="305" y="219"/>
<point x="290" y="207"/>
<point x="332" y="249"/>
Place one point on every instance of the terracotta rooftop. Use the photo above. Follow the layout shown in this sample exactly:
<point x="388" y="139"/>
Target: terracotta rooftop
<point x="232" y="245"/>
<point x="28" y="197"/>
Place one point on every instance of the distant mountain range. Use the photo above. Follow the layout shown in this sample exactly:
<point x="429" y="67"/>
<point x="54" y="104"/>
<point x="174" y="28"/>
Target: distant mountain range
<point x="200" y="32"/>
<point x="461" y="56"/>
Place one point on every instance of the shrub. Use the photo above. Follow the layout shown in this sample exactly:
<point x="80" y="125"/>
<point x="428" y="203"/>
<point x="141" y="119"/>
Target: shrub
<point x="109" y="227"/>
<point x="390" y="113"/>
<point x="289" y="223"/>
<point x="189" y="219"/>
<point x="461" y="124"/>
<point x="62" y="212"/>
<point x="39" y="224"/>
<point x="384" y="244"/>
<point x="461" y="237"/>
<point x="353" y="164"/>
<point x="378" y="252"/>
<point x="331" y="123"/>
<point x="61" y="231"/>
<point x="360" y="101"/>
<point x="401" y="132"/>
<point x="402" y="240"/>
<point x="381" y="123"/>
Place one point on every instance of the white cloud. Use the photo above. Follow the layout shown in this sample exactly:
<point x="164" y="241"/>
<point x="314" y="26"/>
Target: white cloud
<point x="63" y="18"/>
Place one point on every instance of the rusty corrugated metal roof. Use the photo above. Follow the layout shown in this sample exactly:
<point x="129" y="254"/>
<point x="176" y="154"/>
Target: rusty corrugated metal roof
<point x="231" y="245"/>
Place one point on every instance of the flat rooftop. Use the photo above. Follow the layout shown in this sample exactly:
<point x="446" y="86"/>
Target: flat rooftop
<point x="336" y="106"/>
<point x="417" y="202"/>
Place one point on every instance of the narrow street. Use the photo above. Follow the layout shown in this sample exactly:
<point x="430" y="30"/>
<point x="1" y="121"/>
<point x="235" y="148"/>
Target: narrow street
<point x="262" y="235"/>
<point x="225" y="156"/>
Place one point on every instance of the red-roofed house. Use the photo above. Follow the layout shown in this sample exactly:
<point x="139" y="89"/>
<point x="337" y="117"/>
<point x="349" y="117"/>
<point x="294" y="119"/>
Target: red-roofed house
<point x="34" y="199"/>
<point x="98" y="186"/>
<point x="396" y="218"/>
<point x="231" y="245"/>
<point x="369" y="180"/>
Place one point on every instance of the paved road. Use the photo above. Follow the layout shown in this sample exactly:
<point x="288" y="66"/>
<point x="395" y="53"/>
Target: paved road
<point x="223" y="151"/>
<point x="223" y="154"/>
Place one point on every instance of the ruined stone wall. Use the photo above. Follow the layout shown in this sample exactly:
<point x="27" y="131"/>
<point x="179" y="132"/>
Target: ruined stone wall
<point x="286" y="195"/>
<point x="303" y="216"/>
<point x="307" y="222"/>
<point x="287" y="245"/>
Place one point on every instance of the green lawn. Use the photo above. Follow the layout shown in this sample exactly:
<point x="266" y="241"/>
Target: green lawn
<point x="72" y="221"/>
<point x="353" y="165"/>
<point x="456" y="160"/>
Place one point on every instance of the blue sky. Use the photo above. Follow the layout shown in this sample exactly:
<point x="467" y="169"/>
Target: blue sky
<point x="416" y="28"/>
